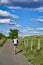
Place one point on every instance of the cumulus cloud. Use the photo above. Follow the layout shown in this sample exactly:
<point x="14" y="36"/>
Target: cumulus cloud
<point x="5" y="20"/>
<point x="22" y="3"/>
<point x="26" y="30"/>
<point x="4" y="13"/>
<point x="40" y="9"/>
<point x="7" y="14"/>
<point x="31" y="31"/>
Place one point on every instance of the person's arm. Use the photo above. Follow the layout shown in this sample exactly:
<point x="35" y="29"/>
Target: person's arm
<point x="17" y="41"/>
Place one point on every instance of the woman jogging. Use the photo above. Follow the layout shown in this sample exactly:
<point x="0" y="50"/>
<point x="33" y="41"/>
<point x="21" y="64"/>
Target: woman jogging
<point x="15" y="44"/>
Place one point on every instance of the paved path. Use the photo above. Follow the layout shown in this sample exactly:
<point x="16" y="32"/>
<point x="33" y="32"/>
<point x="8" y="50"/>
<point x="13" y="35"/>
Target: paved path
<point x="7" y="56"/>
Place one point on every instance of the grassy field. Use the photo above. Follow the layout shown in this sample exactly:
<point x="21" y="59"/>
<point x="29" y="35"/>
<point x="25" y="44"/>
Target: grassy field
<point x="35" y="56"/>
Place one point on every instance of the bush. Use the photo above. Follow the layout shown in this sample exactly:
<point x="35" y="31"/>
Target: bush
<point x="2" y="41"/>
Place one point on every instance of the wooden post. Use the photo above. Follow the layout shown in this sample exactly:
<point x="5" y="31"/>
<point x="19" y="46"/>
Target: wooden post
<point x="31" y="44"/>
<point x="38" y="44"/>
<point x="25" y="43"/>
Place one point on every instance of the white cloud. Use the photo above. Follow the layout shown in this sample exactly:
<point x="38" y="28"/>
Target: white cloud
<point x="22" y="3"/>
<point x="29" y="29"/>
<point x="40" y="29"/>
<point x="17" y="7"/>
<point x="41" y="17"/>
<point x="23" y="31"/>
<point x="40" y="9"/>
<point x="26" y="30"/>
<point x="4" y="1"/>
<point x="17" y="25"/>
<point x="6" y="16"/>
<point x="11" y="7"/>
<point x="37" y="20"/>
<point x="34" y="32"/>
<point x="14" y="8"/>
<point x="14" y="25"/>
<point x="5" y="13"/>
<point x="5" y="20"/>
<point x="35" y="0"/>
<point x="30" y="33"/>
<point x="14" y="16"/>
<point x="20" y="0"/>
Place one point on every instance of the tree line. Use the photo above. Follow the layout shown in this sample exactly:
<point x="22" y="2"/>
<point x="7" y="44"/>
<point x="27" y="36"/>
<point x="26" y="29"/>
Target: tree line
<point x="12" y="33"/>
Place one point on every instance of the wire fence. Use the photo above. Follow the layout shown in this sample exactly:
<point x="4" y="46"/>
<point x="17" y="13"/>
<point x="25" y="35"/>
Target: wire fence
<point x="32" y="43"/>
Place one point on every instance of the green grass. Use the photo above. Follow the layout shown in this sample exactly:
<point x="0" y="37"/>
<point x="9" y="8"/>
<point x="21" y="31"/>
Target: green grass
<point x="34" y="56"/>
<point x="2" y="41"/>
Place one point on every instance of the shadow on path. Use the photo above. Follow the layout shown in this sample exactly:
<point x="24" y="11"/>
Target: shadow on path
<point x="19" y="51"/>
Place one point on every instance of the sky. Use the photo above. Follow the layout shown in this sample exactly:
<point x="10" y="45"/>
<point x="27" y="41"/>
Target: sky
<point x="24" y="15"/>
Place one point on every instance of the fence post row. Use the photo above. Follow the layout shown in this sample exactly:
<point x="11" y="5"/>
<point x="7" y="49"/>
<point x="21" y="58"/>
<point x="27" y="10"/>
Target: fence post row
<point x="31" y="44"/>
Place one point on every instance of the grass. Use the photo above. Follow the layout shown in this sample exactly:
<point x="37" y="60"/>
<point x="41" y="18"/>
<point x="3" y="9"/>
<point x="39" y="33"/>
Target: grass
<point x="2" y="41"/>
<point x="34" y="56"/>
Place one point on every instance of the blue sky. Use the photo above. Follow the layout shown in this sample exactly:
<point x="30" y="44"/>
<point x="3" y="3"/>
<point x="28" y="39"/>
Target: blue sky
<point x="24" y="15"/>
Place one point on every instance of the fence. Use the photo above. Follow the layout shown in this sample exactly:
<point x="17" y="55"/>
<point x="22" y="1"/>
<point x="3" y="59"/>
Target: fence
<point x="33" y="43"/>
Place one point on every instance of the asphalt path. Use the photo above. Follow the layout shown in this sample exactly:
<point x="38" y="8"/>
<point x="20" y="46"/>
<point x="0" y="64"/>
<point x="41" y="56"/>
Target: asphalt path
<point x="7" y="56"/>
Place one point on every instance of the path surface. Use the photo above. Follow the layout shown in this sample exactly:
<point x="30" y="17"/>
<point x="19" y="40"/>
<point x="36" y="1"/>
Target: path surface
<point x="7" y="56"/>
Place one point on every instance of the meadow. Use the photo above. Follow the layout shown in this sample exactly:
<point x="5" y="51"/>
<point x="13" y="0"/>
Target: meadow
<point x="34" y="55"/>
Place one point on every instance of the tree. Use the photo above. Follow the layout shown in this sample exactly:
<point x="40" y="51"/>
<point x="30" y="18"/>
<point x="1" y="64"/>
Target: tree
<point x="13" y="33"/>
